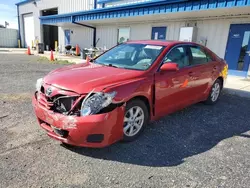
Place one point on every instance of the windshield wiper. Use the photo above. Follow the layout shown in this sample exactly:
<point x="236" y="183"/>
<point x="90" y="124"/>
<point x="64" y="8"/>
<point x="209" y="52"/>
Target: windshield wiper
<point x="111" y="65"/>
<point x="92" y="61"/>
<point x="103" y="64"/>
<point x="108" y="65"/>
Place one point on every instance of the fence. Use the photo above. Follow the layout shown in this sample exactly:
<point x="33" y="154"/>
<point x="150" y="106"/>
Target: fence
<point x="8" y="38"/>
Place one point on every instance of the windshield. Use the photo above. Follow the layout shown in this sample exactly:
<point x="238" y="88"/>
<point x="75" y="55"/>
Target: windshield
<point x="131" y="56"/>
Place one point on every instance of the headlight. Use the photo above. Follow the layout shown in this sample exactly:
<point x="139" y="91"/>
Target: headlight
<point x="39" y="84"/>
<point x="96" y="102"/>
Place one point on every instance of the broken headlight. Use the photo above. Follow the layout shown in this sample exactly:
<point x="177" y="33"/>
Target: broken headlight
<point x="96" y="102"/>
<point x="39" y="84"/>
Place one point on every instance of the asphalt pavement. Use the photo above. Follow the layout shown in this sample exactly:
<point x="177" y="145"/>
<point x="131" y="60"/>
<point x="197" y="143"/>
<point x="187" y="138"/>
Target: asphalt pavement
<point x="200" y="146"/>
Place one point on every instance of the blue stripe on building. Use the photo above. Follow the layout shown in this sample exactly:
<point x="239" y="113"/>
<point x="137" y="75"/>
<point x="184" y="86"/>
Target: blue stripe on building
<point x="140" y="9"/>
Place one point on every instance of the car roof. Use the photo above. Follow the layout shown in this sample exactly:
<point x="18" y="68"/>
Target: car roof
<point x="160" y="42"/>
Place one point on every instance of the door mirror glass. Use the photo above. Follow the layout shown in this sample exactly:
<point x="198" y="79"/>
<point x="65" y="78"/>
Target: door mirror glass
<point x="169" y="66"/>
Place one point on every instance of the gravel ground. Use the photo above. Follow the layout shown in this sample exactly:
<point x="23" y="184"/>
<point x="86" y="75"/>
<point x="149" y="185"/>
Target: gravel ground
<point x="200" y="146"/>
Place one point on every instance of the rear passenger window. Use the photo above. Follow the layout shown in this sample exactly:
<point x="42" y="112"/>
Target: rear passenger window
<point x="209" y="58"/>
<point x="198" y="56"/>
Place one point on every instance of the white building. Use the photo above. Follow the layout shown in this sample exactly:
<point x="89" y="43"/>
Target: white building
<point x="221" y="25"/>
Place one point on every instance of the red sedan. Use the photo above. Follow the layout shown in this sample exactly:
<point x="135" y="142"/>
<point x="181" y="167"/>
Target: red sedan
<point x="114" y="96"/>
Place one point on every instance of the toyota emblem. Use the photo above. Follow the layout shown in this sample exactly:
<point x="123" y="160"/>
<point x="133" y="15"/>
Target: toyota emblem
<point x="48" y="91"/>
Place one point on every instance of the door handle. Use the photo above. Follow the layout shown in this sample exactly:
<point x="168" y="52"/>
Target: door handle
<point x="190" y="73"/>
<point x="215" y="68"/>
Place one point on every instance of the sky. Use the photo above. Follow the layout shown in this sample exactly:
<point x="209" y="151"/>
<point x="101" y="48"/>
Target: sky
<point x="8" y="13"/>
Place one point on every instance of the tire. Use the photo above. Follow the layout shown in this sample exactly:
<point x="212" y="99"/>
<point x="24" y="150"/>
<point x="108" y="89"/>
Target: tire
<point x="217" y="86"/>
<point x="138" y="122"/>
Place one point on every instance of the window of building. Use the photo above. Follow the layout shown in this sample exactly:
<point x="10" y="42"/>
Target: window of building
<point x="178" y="55"/>
<point x="123" y="35"/>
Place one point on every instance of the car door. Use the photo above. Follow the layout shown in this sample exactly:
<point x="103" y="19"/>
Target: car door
<point x="203" y="68"/>
<point x="173" y="90"/>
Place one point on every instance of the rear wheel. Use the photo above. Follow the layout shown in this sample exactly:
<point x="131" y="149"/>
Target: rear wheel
<point x="215" y="92"/>
<point x="135" y="119"/>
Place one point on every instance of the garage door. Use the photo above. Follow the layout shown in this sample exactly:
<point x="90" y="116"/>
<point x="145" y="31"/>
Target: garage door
<point x="29" y="34"/>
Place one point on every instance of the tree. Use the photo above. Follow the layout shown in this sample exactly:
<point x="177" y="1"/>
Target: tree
<point x="6" y="24"/>
<point x="121" y="40"/>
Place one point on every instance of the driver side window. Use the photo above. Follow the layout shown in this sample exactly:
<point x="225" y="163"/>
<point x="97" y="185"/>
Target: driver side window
<point x="178" y="55"/>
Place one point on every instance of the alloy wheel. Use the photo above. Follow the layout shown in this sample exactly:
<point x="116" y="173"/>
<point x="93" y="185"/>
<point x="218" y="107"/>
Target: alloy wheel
<point x="133" y="121"/>
<point x="215" y="92"/>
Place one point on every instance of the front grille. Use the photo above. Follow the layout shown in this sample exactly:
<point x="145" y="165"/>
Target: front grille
<point x="43" y="100"/>
<point x="63" y="104"/>
<point x="60" y="101"/>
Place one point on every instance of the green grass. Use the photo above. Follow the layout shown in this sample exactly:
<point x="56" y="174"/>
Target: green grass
<point x="42" y="59"/>
<point x="57" y="61"/>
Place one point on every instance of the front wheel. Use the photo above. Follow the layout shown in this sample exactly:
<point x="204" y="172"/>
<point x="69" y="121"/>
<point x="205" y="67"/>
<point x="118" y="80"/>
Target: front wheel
<point x="215" y="92"/>
<point x="135" y="119"/>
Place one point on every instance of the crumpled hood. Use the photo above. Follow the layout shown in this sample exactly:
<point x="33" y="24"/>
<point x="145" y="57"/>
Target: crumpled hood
<point x="83" y="78"/>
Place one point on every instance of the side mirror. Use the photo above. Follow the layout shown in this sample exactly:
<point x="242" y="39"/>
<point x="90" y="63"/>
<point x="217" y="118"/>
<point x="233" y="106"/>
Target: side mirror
<point x="169" y="66"/>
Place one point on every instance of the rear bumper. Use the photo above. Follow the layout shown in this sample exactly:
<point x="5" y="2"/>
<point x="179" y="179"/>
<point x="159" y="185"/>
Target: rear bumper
<point x="91" y="131"/>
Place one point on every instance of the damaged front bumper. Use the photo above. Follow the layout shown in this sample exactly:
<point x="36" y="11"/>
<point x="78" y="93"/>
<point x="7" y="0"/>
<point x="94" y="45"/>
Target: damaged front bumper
<point x="98" y="130"/>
